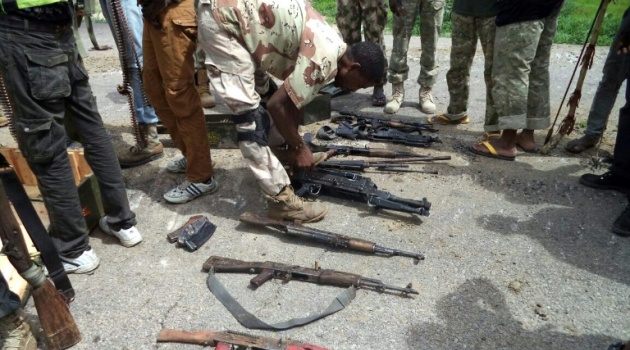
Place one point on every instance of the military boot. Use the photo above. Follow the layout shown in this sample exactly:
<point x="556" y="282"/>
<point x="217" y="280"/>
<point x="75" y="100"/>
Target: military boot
<point x="287" y="206"/>
<point x="138" y="155"/>
<point x="426" y="100"/>
<point x="203" y="87"/>
<point x="15" y="332"/>
<point x="398" y="95"/>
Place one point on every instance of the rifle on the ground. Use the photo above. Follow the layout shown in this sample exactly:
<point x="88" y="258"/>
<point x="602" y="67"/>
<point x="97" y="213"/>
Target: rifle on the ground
<point x="329" y="238"/>
<point x="375" y="122"/>
<point x="348" y="184"/>
<point x="268" y="270"/>
<point x="334" y="150"/>
<point x="387" y="134"/>
<point x="231" y="340"/>
<point x="383" y="165"/>
<point x="59" y="327"/>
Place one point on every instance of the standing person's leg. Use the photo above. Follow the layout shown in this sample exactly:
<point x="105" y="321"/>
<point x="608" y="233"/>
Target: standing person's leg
<point x="431" y="16"/>
<point x="374" y="20"/>
<point x="398" y="69"/>
<point x="232" y="75"/>
<point x="82" y="114"/>
<point x="538" y="105"/>
<point x="178" y="104"/>
<point x="514" y="50"/>
<point x="39" y="105"/>
<point x="145" y="114"/>
<point x="486" y="28"/>
<point x="463" y="47"/>
<point x="605" y="96"/>
<point x="348" y="17"/>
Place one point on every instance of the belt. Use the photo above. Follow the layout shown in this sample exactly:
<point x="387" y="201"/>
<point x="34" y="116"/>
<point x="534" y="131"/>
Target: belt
<point x="18" y="22"/>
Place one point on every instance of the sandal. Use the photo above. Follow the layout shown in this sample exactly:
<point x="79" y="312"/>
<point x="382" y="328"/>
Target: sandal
<point x="379" y="99"/>
<point x="492" y="153"/>
<point x="582" y="144"/>
<point x="442" y="119"/>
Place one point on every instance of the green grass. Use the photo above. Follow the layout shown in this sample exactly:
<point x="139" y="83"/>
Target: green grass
<point x="573" y="24"/>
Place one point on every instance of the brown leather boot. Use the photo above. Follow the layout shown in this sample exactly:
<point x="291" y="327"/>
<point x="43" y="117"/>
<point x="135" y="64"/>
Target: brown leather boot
<point x="203" y="87"/>
<point x="16" y="333"/>
<point x="138" y="155"/>
<point x="287" y="206"/>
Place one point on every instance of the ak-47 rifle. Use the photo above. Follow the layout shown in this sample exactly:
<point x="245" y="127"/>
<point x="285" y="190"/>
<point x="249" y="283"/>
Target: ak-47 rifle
<point x="347" y="184"/>
<point x="586" y="60"/>
<point x="231" y="340"/>
<point x="60" y="330"/>
<point x="268" y="270"/>
<point x="329" y="238"/>
<point x="375" y="122"/>
<point x="401" y="165"/>
<point x="334" y="150"/>
<point x="387" y="134"/>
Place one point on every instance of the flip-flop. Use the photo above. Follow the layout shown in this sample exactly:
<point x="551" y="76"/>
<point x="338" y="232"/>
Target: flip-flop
<point x="379" y="99"/>
<point x="534" y="150"/>
<point x="490" y="135"/>
<point x="441" y="119"/>
<point x="492" y="152"/>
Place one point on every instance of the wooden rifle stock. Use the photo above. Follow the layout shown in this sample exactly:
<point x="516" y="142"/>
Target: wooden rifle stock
<point x="59" y="327"/>
<point x="225" y="340"/>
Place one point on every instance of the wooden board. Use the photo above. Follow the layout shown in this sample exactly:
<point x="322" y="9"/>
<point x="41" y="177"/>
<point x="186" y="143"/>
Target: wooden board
<point x="16" y="283"/>
<point x="79" y="165"/>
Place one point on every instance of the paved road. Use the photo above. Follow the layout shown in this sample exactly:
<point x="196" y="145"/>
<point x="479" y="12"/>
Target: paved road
<point x="518" y="255"/>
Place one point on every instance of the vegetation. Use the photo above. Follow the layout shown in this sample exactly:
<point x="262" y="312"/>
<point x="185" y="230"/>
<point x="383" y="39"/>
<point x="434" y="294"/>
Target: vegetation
<point x="573" y="24"/>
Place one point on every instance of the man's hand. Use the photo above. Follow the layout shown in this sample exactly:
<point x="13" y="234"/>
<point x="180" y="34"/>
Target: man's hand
<point x="300" y="159"/>
<point x="397" y="8"/>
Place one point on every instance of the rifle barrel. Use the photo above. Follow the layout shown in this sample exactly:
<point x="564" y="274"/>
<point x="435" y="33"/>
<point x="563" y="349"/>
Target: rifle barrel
<point x="380" y="286"/>
<point x="396" y="252"/>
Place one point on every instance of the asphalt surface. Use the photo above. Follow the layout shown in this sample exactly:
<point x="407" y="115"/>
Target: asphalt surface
<point x="518" y="254"/>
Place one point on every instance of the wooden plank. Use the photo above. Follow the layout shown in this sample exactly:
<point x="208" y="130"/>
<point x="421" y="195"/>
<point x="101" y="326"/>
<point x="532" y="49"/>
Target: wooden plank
<point x="16" y="283"/>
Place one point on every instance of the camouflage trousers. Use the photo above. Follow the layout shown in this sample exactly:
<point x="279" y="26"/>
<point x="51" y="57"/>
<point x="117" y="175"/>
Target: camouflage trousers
<point x="520" y="74"/>
<point x="466" y="31"/>
<point x="431" y="13"/>
<point x="371" y="14"/>
<point x="236" y="78"/>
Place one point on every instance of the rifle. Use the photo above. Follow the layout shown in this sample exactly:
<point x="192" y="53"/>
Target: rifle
<point x="59" y="327"/>
<point x="268" y="270"/>
<point x="347" y="184"/>
<point x="385" y="165"/>
<point x="231" y="340"/>
<point x="329" y="238"/>
<point x="333" y="150"/>
<point x="375" y="122"/>
<point x="386" y="134"/>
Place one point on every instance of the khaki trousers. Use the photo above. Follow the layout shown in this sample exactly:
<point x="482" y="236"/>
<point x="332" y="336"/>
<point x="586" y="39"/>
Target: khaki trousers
<point x="170" y="86"/>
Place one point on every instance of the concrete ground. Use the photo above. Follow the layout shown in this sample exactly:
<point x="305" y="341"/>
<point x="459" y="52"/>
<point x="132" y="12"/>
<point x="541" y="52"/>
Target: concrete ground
<point x="518" y="254"/>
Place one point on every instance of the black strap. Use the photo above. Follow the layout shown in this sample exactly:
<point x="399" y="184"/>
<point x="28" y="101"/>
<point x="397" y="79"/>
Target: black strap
<point x="35" y="228"/>
<point x="248" y="320"/>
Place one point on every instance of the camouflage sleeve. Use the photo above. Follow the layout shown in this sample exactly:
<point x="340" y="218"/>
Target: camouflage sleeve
<point x="316" y="64"/>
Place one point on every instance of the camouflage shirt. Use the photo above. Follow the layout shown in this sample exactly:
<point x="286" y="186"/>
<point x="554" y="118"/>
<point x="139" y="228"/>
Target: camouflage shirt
<point x="288" y="39"/>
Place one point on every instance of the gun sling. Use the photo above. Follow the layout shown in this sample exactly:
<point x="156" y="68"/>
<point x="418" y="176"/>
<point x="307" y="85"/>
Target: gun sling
<point x="35" y="228"/>
<point x="250" y="321"/>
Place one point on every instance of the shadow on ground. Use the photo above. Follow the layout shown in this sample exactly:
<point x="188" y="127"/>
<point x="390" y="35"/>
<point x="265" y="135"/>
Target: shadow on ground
<point x="476" y="316"/>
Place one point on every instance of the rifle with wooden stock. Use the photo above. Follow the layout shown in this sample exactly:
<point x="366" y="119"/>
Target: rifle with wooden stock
<point x="269" y="269"/>
<point x="328" y="238"/>
<point x="59" y="327"/>
<point x="231" y="340"/>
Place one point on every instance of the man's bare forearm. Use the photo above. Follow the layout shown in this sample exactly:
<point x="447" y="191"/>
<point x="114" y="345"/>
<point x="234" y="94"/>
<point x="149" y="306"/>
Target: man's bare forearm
<point x="286" y="117"/>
